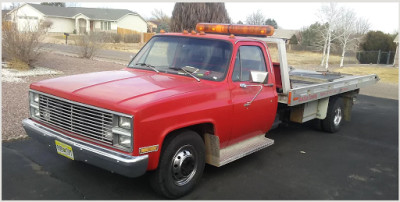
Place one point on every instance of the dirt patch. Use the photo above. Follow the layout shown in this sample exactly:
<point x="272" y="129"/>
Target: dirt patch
<point x="15" y="95"/>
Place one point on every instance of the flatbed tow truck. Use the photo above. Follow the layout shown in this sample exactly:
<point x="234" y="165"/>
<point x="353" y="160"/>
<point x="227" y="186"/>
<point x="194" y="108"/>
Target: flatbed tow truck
<point x="184" y="100"/>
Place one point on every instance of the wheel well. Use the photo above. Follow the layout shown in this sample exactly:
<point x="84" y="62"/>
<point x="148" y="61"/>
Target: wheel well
<point x="200" y="129"/>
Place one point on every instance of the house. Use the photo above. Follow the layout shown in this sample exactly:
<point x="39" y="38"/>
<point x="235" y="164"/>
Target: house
<point x="77" y="19"/>
<point x="396" y="56"/>
<point x="284" y="34"/>
<point x="152" y="26"/>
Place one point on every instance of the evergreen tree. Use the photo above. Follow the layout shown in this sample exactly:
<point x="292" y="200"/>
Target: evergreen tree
<point x="271" y="22"/>
<point x="185" y="16"/>
<point x="377" y="40"/>
<point x="293" y="40"/>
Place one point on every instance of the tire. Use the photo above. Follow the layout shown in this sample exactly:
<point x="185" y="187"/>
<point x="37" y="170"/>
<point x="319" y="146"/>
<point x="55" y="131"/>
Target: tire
<point x="334" y="116"/>
<point x="181" y="165"/>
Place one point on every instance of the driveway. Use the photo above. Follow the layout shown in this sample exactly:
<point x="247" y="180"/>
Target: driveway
<point x="359" y="162"/>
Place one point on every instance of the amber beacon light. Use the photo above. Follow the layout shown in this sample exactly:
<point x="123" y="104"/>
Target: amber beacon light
<point x="257" y="30"/>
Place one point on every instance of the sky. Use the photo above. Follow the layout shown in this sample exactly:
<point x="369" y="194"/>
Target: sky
<point x="382" y="16"/>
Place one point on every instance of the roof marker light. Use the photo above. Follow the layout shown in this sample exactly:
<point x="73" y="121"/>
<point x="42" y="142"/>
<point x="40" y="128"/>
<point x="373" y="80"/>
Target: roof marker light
<point x="257" y="30"/>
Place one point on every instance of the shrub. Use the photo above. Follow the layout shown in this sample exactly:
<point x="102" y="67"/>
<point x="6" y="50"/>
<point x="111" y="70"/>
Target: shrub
<point x="89" y="44"/>
<point x="22" y="46"/>
<point x="116" y="38"/>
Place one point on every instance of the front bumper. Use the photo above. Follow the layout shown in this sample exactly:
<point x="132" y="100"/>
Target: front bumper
<point x="130" y="166"/>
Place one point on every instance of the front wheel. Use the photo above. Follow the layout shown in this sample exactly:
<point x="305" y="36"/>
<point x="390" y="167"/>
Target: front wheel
<point x="334" y="116"/>
<point x="181" y="164"/>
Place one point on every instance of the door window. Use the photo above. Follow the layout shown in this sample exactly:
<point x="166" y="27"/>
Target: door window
<point x="248" y="58"/>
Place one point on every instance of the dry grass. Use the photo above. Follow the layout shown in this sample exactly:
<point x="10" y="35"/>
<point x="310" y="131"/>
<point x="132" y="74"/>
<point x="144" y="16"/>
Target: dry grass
<point x="388" y="75"/>
<point x="18" y="65"/>
<point x="303" y="57"/>
<point x="126" y="47"/>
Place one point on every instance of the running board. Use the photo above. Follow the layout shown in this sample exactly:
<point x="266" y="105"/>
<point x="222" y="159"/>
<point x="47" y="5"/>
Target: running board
<point x="219" y="157"/>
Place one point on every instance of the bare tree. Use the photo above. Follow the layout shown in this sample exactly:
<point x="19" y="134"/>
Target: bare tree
<point x="329" y="14"/>
<point x="160" y="16"/>
<point x="350" y="29"/>
<point x="161" y="19"/>
<point x="187" y="15"/>
<point x="256" y="18"/>
<point x="90" y="44"/>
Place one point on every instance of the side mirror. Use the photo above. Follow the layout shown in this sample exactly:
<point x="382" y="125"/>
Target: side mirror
<point x="258" y="77"/>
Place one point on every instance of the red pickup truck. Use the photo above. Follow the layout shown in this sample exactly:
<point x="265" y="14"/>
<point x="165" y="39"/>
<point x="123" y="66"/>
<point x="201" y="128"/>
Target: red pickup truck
<point x="184" y="100"/>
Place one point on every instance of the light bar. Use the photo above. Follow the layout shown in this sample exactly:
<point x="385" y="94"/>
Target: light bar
<point x="257" y="30"/>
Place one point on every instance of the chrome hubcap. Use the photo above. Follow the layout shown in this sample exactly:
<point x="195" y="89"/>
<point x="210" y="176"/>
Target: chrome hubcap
<point x="338" y="116"/>
<point x="184" y="165"/>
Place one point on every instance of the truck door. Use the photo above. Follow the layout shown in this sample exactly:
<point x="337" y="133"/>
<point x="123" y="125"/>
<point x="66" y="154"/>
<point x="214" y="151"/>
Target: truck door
<point x="258" y="117"/>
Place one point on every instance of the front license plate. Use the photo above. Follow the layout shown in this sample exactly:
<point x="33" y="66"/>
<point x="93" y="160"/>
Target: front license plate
<point x="64" y="150"/>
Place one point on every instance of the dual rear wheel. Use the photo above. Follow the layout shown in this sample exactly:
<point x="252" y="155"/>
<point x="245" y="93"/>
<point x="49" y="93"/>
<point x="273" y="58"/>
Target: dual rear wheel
<point x="334" y="116"/>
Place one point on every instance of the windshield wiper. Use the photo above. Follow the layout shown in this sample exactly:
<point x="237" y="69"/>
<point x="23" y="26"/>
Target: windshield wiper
<point x="187" y="72"/>
<point x="148" y="65"/>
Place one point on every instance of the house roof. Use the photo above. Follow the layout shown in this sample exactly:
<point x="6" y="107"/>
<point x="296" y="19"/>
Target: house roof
<point x="92" y="13"/>
<point x="284" y="33"/>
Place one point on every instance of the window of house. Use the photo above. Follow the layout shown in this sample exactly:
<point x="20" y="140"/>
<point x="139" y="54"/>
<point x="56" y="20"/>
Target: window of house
<point x="248" y="58"/>
<point x="105" y="25"/>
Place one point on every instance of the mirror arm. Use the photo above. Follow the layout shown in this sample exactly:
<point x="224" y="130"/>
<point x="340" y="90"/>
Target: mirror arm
<point x="243" y="85"/>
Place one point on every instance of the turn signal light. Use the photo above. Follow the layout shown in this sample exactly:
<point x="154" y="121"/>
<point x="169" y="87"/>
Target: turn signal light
<point x="257" y="30"/>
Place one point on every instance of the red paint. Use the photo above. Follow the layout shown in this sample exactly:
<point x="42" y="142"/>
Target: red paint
<point x="161" y="103"/>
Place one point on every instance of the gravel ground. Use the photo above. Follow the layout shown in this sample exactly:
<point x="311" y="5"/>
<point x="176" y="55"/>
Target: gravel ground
<point x="15" y="95"/>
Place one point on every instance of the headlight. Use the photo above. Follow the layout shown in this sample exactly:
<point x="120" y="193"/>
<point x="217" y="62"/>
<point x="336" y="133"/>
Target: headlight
<point x="122" y="132"/>
<point x="125" y="141"/>
<point x="34" y="104"/>
<point x="124" y="122"/>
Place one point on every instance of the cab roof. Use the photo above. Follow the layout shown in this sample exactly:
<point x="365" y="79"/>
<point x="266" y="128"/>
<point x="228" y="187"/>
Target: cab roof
<point x="212" y="36"/>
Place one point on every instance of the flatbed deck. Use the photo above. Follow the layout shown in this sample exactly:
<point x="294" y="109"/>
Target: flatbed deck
<point x="306" y="86"/>
<point x="302" y="86"/>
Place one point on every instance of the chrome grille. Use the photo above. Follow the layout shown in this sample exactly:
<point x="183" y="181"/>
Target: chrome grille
<point x="77" y="119"/>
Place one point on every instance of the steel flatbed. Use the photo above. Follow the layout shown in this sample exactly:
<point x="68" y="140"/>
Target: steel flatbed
<point x="303" y="86"/>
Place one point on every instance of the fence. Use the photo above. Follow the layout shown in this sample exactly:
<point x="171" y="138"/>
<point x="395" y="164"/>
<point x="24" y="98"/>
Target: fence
<point x="375" y="57"/>
<point x="147" y="36"/>
<point x="353" y="57"/>
<point x="142" y="37"/>
<point x="6" y="25"/>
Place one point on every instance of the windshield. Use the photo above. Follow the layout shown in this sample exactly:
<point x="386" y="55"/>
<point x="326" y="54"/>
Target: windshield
<point x="170" y="54"/>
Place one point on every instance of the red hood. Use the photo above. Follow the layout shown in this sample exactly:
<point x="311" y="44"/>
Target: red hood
<point x="110" y="89"/>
